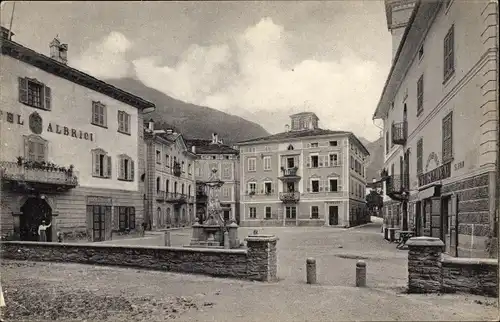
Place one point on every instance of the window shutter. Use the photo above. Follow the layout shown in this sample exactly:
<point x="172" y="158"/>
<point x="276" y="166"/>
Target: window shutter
<point x="120" y="121"/>
<point x="104" y="115"/>
<point x="321" y="160"/>
<point x="131" y="218"/>
<point x="320" y="185"/>
<point x="48" y="97"/>
<point x="272" y="187"/>
<point x="116" y="217"/>
<point x="23" y="90"/>
<point x="95" y="164"/>
<point x="90" y="222"/>
<point x="121" y="174"/>
<point x="108" y="166"/>
<point x="132" y="170"/>
<point x="40" y="151"/>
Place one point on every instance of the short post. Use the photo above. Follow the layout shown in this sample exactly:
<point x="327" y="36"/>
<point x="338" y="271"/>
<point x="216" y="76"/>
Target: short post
<point x="424" y="264"/>
<point x="262" y="262"/>
<point x="233" y="235"/>
<point x="226" y="240"/>
<point x="360" y="274"/>
<point x="311" y="270"/>
<point x="166" y="239"/>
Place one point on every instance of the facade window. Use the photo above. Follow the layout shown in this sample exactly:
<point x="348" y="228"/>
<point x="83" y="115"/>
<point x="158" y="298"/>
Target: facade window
<point x="126" y="218"/>
<point x="386" y="142"/>
<point x="252" y="187"/>
<point x="333" y="143"/>
<point x="291" y="212"/>
<point x="226" y="171"/>
<point x="268" y="212"/>
<point x="123" y="122"/>
<point x="225" y="192"/>
<point x="189" y="168"/>
<point x="183" y="167"/>
<point x="392" y="127"/>
<point x="352" y="162"/>
<point x="253" y="212"/>
<point x="158" y="157"/>
<point x="127" y="168"/>
<point x="314" y="145"/>
<point x="314" y="212"/>
<point x="314" y="161"/>
<point x="175" y="187"/>
<point x="101" y="164"/>
<point x="182" y="188"/>
<point x="252" y="164"/>
<point x="267" y="163"/>
<point x="34" y="93"/>
<point x="449" y="54"/>
<point x="333" y="185"/>
<point x="334" y="159"/>
<point x="158" y="184"/>
<point x="290" y="163"/>
<point x="420" y="95"/>
<point x="189" y="190"/>
<point x="268" y="188"/>
<point x="420" y="152"/>
<point x="167" y="160"/>
<point x="36" y="148"/>
<point x="99" y="114"/>
<point x="315" y="185"/>
<point x="392" y="169"/>
<point x="167" y="185"/>
<point x="448" y="137"/>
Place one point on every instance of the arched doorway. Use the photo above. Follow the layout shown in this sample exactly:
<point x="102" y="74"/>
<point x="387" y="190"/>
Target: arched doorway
<point x="34" y="211"/>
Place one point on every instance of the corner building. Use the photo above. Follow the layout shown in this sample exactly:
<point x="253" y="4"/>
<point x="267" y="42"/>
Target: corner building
<point x="70" y="148"/>
<point x="305" y="176"/>
<point x="440" y="112"/>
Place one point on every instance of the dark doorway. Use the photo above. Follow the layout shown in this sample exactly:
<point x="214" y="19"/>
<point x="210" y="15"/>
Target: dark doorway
<point x="34" y="211"/>
<point x="226" y="215"/>
<point x="177" y="216"/>
<point x="333" y="215"/>
<point x="418" y="219"/>
<point x="98" y="221"/>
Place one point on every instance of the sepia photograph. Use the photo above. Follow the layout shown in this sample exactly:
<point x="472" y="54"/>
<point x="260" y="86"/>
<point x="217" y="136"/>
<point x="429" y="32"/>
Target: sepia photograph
<point x="249" y="161"/>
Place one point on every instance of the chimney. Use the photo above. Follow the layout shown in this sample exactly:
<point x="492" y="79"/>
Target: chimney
<point x="193" y="149"/>
<point x="5" y="33"/>
<point x="151" y="125"/>
<point x="287" y="128"/>
<point x="58" y="51"/>
<point x="215" y="138"/>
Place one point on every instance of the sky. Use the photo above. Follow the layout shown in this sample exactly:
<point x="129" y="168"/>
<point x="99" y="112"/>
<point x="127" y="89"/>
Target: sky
<point x="259" y="60"/>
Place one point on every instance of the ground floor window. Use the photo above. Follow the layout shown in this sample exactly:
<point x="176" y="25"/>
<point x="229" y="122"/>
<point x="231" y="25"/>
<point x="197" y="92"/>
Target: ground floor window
<point x="253" y="212"/>
<point x="291" y="212"/>
<point x="126" y="218"/>
<point x="268" y="212"/>
<point x="314" y="212"/>
<point x="99" y="215"/>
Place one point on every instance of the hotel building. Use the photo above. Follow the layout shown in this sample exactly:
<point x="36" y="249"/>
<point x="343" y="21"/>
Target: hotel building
<point x="70" y="148"/>
<point x="305" y="176"/>
<point x="440" y="112"/>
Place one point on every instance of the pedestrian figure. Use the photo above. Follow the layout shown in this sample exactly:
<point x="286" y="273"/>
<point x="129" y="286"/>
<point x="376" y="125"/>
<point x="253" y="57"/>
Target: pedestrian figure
<point x="42" y="233"/>
<point x="59" y="237"/>
<point x="144" y="226"/>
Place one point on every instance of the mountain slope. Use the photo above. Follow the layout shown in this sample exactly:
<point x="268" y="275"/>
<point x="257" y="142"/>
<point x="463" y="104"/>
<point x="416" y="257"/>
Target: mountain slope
<point x="192" y="120"/>
<point x="376" y="162"/>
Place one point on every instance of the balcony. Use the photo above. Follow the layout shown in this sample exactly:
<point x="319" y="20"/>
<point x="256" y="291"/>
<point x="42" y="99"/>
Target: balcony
<point x="399" y="133"/>
<point x="160" y="195"/>
<point x="289" y="174"/>
<point x="175" y="197"/>
<point x="190" y="199"/>
<point x="177" y="169"/>
<point x="397" y="186"/>
<point x="290" y="197"/>
<point x="39" y="174"/>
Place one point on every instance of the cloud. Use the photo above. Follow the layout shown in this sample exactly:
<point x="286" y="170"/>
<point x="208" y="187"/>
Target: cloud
<point x="252" y="78"/>
<point x="106" y="58"/>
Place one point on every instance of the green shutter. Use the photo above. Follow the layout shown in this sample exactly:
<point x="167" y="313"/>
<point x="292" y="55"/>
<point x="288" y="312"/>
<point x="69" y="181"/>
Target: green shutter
<point x="47" y="97"/>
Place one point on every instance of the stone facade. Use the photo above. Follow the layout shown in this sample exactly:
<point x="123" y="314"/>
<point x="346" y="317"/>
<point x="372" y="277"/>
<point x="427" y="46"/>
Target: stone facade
<point x="258" y="262"/>
<point x="430" y="271"/>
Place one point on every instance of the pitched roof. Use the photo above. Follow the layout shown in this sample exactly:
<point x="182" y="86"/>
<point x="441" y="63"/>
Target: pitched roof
<point x="204" y="146"/>
<point x="283" y="136"/>
<point x="29" y="56"/>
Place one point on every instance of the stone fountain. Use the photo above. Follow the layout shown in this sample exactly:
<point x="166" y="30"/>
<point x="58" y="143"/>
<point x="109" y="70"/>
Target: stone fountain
<point x="214" y="232"/>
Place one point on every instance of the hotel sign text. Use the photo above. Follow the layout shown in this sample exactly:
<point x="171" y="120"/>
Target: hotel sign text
<point x="440" y="173"/>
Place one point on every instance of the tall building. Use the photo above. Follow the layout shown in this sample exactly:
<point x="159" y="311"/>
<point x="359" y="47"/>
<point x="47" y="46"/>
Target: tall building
<point x="70" y="148"/>
<point x="214" y="154"/>
<point x="305" y="176"/>
<point x="169" y="179"/>
<point x="440" y="112"/>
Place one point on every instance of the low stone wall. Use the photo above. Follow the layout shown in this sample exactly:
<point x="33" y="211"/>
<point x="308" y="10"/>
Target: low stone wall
<point x="431" y="271"/>
<point x="258" y="262"/>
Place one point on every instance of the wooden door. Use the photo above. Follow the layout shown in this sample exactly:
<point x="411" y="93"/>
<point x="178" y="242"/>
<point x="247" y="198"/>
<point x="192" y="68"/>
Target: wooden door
<point x="333" y="215"/>
<point x="98" y="223"/>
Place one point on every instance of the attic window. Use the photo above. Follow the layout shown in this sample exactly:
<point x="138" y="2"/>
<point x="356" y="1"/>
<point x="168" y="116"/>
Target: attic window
<point x="290" y="147"/>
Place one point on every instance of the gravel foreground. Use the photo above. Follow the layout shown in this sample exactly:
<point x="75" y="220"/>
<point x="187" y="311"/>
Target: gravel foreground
<point x="73" y="292"/>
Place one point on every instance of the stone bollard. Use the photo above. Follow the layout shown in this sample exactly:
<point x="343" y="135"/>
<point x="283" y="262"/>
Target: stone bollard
<point x="311" y="270"/>
<point x="233" y="235"/>
<point x="226" y="240"/>
<point x="424" y="264"/>
<point x="360" y="274"/>
<point x="166" y="239"/>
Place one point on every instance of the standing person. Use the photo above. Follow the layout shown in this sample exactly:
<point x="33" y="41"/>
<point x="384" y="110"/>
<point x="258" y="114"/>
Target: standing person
<point x="42" y="233"/>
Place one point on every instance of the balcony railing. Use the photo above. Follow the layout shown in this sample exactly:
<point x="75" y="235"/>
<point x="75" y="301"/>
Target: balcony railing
<point x="399" y="133"/>
<point x="160" y="195"/>
<point x="39" y="172"/>
<point x="175" y="197"/>
<point x="290" y="197"/>
<point x="397" y="184"/>
<point x="177" y="169"/>
<point x="289" y="174"/>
